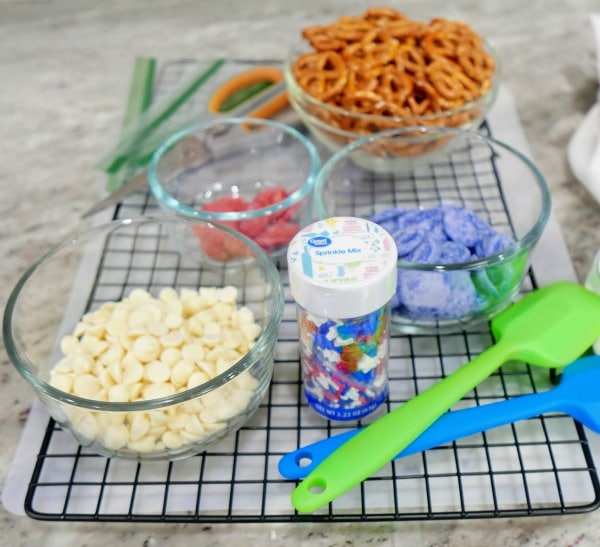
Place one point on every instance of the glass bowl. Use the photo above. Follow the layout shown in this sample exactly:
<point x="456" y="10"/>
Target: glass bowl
<point x="141" y="346"/>
<point x="255" y="176"/>
<point x="351" y="114"/>
<point x="465" y="223"/>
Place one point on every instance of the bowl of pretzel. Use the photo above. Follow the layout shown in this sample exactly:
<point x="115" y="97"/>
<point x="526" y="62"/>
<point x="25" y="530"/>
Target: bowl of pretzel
<point x="361" y="75"/>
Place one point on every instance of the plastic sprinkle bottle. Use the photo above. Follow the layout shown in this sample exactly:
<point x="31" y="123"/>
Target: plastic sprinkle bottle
<point x="342" y="274"/>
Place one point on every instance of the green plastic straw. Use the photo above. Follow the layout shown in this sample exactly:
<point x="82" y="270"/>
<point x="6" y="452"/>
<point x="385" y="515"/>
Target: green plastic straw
<point x="139" y="99"/>
<point x="132" y="139"/>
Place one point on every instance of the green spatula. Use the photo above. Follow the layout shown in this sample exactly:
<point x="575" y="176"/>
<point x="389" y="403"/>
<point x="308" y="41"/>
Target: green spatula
<point x="550" y="328"/>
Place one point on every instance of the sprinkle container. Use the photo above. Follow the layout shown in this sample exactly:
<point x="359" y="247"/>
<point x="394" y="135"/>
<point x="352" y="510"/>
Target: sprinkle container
<point x="342" y="274"/>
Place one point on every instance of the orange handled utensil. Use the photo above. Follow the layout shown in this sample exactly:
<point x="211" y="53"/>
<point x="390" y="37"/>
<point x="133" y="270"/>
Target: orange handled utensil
<point x="261" y="74"/>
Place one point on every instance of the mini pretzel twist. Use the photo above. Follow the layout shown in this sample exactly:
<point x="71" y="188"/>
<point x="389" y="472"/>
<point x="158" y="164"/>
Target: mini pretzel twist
<point x="322" y="74"/>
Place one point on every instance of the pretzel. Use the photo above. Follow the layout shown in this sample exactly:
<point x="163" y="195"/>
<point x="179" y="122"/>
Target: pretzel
<point x="448" y="80"/>
<point x="410" y="59"/>
<point x="405" y="28"/>
<point x="364" y="80"/>
<point x="323" y="74"/>
<point x="382" y="15"/>
<point x="386" y="69"/>
<point x="476" y="65"/>
<point x="350" y="29"/>
<point x="396" y="86"/>
<point x="321" y="39"/>
<point x="377" y="48"/>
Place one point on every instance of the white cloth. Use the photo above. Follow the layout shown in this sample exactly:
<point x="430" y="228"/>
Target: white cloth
<point x="584" y="147"/>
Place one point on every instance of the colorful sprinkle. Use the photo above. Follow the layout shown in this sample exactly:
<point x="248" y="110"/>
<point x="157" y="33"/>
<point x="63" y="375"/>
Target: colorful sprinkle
<point x="344" y="363"/>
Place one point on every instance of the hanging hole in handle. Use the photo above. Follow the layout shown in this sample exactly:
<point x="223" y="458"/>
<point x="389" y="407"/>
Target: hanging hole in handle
<point x="303" y="459"/>
<point x="316" y="487"/>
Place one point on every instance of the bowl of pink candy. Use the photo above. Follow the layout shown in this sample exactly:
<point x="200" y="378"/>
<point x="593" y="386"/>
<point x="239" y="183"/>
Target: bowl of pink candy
<point x="254" y="176"/>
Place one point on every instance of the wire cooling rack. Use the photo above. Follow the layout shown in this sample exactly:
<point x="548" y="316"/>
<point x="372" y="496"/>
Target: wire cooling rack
<point x="541" y="466"/>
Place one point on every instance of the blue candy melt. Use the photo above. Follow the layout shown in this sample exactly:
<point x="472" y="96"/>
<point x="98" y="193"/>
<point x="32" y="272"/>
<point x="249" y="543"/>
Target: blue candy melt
<point x="427" y="252"/>
<point x="437" y="295"/>
<point x="386" y="215"/>
<point x="407" y="239"/>
<point x="451" y="253"/>
<point x="493" y="244"/>
<point x="463" y="226"/>
<point x="444" y="234"/>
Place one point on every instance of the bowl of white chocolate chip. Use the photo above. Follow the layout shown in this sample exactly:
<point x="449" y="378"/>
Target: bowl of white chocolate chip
<point x="140" y="344"/>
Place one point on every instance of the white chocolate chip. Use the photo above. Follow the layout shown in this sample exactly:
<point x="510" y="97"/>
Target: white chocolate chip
<point x="181" y="373"/>
<point x="117" y="326"/>
<point x="172" y="339"/>
<point x="207" y="367"/>
<point x="171" y="356"/>
<point x="85" y="423"/>
<point x="228" y="294"/>
<point x="64" y="382"/>
<point x="158" y="418"/>
<point x="64" y="365"/>
<point x="208" y="296"/>
<point x="140" y="425"/>
<point x="143" y="445"/>
<point x="68" y="344"/>
<point x="133" y="370"/>
<point x="158" y="390"/>
<point x="115" y="369"/>
<point x="139" y="296"/>
<point x="119" y="393"/>
<point x="126" y="341"/>
<point x="105" y="378"/>
<point x="157" y="372"/>
<point x="99" y="331"/>
<point x="86" y="385"/>
<point x="222" y="312"/>
<point x="146" y="348"/>
<point x="135" y="391"/>
<point x="197" y="379"/>
<point x="168" y="294"/>
<point x="193" y="352"/>
<point x="173" y="320"/>
<point x="116" y="436"/>
<point x="81" y="363"/>
<point x="92" y="345"/>
<point x="189" y="437"/>
<point x="193" y="407"/>
<point x="245" y="316"/>
<point x="157" y="329"/>
<point x="172" y="440"/>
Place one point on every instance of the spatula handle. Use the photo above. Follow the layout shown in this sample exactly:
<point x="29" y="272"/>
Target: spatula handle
<point x="449" y="427"/>
<point x="378" y="443"/>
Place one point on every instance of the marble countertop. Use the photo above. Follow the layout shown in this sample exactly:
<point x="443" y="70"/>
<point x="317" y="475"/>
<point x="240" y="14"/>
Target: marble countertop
<point x="65" y="70"/>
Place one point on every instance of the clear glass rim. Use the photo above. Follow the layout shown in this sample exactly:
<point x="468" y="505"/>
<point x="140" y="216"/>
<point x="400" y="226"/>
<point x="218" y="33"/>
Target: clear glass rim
<point x="164" y="197"/>
<point x="523" y="243"/>
<point x="26" y="368"/>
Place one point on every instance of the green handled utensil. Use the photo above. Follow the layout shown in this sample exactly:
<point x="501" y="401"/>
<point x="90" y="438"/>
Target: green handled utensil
<point x="550" y="328"/>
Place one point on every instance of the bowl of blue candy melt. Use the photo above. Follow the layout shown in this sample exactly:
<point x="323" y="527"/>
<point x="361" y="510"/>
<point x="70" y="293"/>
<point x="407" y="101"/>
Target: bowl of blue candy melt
<point x="465" y="222"/>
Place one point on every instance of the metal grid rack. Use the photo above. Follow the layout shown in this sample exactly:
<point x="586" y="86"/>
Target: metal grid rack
<point x="541" y="466"/>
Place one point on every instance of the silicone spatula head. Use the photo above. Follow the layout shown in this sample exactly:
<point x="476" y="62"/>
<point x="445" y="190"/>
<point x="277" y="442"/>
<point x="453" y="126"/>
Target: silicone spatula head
<point x="551" y="326"/>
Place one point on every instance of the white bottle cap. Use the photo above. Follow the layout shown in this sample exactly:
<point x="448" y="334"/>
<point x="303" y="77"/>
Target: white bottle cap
<point x="342" y="267"/>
